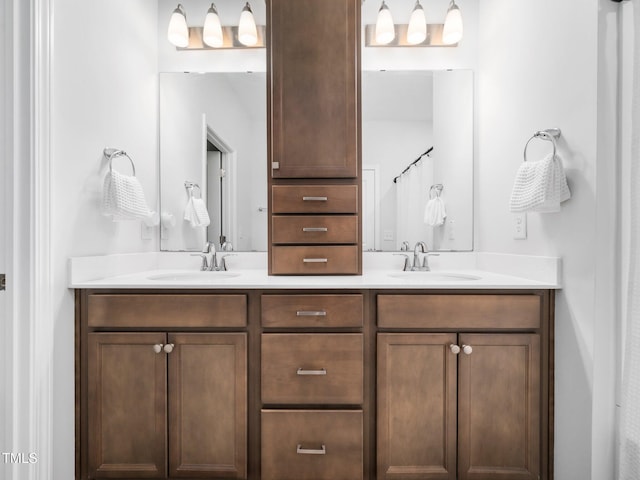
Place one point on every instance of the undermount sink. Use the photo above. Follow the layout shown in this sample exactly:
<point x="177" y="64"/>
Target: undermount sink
<point x="435" y="276"/>
<point x="205" y="277"/>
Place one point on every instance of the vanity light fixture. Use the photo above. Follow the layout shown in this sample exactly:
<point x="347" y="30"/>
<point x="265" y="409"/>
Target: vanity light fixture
<point x="417" y="31"/>
<point x="452" y="31"/>
<point x="178" y="32"/>
<point x="385" y="30"/>
<point x="247" y="32"/>
<point x="212" y="31"/>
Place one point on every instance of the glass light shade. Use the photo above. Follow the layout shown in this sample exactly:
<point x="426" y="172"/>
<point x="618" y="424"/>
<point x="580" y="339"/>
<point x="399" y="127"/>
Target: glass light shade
<point x="453" y="30"/>
<point x="417" y="31"/>
<point x="212" y="31"/>
<point x="178" y="32"/>
<point x="385" y="31"/>
<point x="247" y="32"/>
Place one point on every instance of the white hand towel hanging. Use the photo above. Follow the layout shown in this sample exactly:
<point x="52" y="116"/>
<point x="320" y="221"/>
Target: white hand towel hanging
<point x="540" y="186"/>
<point x="435" y="212"/>
<point x="123" y="199"/>
<point x="196" y="212"/>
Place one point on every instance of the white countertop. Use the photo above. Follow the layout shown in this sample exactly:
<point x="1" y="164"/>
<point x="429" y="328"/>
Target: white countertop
<point x="156" y="270"/>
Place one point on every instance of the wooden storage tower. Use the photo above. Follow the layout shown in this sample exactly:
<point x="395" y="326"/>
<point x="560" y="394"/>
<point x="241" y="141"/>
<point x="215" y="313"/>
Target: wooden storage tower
<point x="314" y="158"/>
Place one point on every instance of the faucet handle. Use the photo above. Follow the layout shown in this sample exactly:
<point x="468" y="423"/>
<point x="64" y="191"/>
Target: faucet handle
<point x="223" y="263"/>
<point x="407" y="265"/>
<point x="205" y="264"/>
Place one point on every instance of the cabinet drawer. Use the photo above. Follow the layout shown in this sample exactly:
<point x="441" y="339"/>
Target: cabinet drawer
<point x="314" y="229"/>
<point x="315" y="260"/>
<point x="312" y="369"/>
<point x="314" y="198"/>
<point x="459" y="311"/>
<point x="166" y="311"/>
<point x="302" y="311"/>
<point x="312" y="445"/>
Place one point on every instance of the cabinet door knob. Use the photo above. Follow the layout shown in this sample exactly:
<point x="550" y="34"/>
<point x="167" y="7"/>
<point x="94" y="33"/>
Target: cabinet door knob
<point x="168" y="348"/>
<point x="311" y="451"/>
<point x="467" y="349"/>
<point x="157" y="347"/>
<point x="455" y="349"/>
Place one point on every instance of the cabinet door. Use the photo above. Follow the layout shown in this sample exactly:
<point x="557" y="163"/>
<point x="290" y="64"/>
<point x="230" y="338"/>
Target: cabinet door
<point x="314" y="99"/>
<point x="499" y="407"/>
<point x="127" y="382"/>
<point x="416" y="406"/>
<point x="208" y="405"/>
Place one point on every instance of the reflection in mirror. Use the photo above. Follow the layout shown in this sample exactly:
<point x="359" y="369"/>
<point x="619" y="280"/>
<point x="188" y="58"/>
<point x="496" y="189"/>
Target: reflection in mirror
<point x="404" y="114"/>
<point x="216" y="122"/>
<point x="213" y="134"/>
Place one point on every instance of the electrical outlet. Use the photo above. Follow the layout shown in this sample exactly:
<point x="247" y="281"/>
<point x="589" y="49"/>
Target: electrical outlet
<point x="388" y="235"/>
<point x="452" y="230"/>
<point x="146" y="232"/>
<point x="520" y="226"/>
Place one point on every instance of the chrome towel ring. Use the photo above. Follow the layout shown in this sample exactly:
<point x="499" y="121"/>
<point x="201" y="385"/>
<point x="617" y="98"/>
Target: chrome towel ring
<point x="550" y="135"/>
<point x="111" y="153"/>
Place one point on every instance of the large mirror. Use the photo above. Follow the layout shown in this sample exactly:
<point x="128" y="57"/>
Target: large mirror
<point x="213" y="129"/>
<point x="213" y="147"/>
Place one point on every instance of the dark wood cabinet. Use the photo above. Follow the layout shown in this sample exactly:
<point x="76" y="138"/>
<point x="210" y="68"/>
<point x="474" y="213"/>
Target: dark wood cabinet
<point x="314" y="88"/>
<point x="208" y="405"/>
<point x="127" y="398"/>
<point x="315" y="384"/>
<point x="417" y="392"/>
<point x="156" y="402"/>
<point x="463" y="405"/>
<point x="499" y="407"/>
<point x="443" y="415"/>
<point x="314" y="137"/>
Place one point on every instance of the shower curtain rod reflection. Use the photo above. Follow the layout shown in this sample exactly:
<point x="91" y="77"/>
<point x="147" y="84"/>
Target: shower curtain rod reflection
<point x="412" y="164"/>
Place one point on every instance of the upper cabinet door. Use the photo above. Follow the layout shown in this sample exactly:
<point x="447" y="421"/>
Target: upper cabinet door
<point x="314" y="88"/>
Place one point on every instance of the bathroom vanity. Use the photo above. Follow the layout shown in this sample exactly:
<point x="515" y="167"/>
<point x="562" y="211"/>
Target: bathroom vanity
<point x="277" y="378"/>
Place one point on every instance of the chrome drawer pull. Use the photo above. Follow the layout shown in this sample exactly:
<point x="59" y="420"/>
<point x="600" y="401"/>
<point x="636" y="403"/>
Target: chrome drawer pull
<point x="311" y="451"/>
<point x="315" y="260"/>
<point x="315" y="199"/>
<point x="302" y="371"/>
<point x="315" y="229"/>
<point x="311" y="313"/>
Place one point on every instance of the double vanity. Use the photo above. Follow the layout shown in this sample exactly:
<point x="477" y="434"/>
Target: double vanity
<point x="387" y="375"/>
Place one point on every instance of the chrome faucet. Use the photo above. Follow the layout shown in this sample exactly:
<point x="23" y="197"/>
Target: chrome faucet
<point x="420" y="247"/>
<point x="210" y="259"/>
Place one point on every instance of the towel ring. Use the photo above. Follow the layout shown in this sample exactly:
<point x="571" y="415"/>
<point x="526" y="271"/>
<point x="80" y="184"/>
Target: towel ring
<point x="438" y="187"/>
<point x="111" y="153"/>
<point x="549" y="135"/>
<point x="190" y="186"/>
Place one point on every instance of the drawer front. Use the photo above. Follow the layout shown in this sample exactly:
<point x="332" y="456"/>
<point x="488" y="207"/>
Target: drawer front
<point x="312" y="311"/>
<point x="315" y="260"/>
<point x="312" y="445"/>
<point x="459" y="311"/>
<point x="314" y="198"/>
<point x="166" y="311"/>
<point x="312" y="369"/>
<point x="314" y="229"/>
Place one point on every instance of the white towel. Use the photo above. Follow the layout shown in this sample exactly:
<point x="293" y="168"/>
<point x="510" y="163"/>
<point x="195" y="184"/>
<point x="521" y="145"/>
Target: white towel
<point x="435" y="212"/>
<point x="196" y="212"/>
<point x="540" y="186"/>
<point x="123" y="199"/>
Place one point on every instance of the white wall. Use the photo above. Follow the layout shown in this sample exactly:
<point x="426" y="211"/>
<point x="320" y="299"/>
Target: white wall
<point x="104" y="94"/>
<point x="539" y="70"/>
